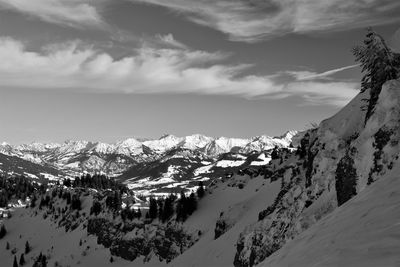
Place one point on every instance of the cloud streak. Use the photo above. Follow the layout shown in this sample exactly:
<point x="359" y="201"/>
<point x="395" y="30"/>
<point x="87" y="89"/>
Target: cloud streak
<point x="308" y="75"/>
<point x="254" y="20"/>
<point x="75" y="13"/>
<point x="76" y="66"/>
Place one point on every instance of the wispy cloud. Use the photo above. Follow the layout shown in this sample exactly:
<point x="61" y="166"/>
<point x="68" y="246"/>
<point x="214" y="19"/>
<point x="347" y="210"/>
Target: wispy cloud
<point x="395" y="41"/>
<point x="170" y="40"/>
<point x="323" y="93"/>
<point x="75" y="13"/>
<point x="253" y="20"/>
<point x="76" y="66"/>
<point x="308" y="75"/>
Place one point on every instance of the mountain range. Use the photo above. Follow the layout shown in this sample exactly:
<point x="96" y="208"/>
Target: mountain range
<point x="174" y="160"/>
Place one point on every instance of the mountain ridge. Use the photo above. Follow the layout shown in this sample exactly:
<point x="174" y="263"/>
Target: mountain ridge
<point x="83" y="155"/>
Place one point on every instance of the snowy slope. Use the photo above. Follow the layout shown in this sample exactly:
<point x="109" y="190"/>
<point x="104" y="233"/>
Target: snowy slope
<point x="46" y="237"/>
<point x="163" y="144"/>
<point x="195" y="141"/>
<point x="240" y="204"/>
<point x="361" y="153"/>
<point x="363" y="232"/>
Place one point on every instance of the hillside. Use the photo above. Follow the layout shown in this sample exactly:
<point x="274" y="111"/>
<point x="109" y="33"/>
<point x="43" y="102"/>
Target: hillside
<point x="13" y="165"/>
<point x="363" y="232"/>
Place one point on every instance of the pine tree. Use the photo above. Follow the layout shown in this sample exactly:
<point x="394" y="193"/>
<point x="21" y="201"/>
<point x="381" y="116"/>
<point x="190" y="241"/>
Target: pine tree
<point x="22" y="260"/>
<point x="379" y="64"/>
<point x="181" y="207"/>
<point x="117" y="200"/>
<point x="3" y="231"/>
<point x="191" y="204"/>
<point x="153" y="211"/>
<point x="76" y="203"/>
<point x="27" y="247"/>
<point x="67" y="182"/>
<point x="168" y="209"/>
<point x="302" y="149"/>
<point x="15" y="261"/>
<point x="96" y="208"/>
<point x="7" y="246"/>
<point x="200" y="190"/>
<point x="111" y="259"/>
<point x="44" y="261"/>
<point x="138" y="213"/>
<point x="275" y="153"/>
<point x="160" y="204"/>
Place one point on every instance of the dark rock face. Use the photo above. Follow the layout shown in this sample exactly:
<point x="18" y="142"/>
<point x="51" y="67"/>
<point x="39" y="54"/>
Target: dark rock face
<point x="129" y="249"/>
<point x="103" y="229"/>
<point x="220" y="228"/>
<point x="164" y="241"/>
<point x="346" y="180"/>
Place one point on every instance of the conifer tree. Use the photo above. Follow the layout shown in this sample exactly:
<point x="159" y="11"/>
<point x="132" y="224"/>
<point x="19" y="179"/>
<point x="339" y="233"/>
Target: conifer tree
<point x="3" y="231"/>
<point x="96" y="208"/>
<point x="153" y="211"/>
<point x="138" y="213"/>
<point x="15" y="261"/>
<point x="379" y="64"/>
<point x="200" y="190"/>
<point x="181" y="207"/>
<point x="22" y="260"/>
<point x="160" y="204"/>
<point x="191" y="204"/>
<point x="168" y="209"/>
<point x="27" y="247"/>
<point x="44" y="261"/>
<point x="275" y="153"/>
<point x="67" y="182"/>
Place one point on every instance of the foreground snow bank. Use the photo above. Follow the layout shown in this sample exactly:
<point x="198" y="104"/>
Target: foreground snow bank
<point x="363" y="232"/>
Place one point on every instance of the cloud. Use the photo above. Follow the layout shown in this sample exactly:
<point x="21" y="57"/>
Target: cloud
<point x="73" y="13"/>
<point x="169" y="40"/>
<point x="76" y="66"/>
<point x="323" y="93"/>
<point x="253" y="20"/>
<point x="395" y="41"/>
<point x="307" y="75"/>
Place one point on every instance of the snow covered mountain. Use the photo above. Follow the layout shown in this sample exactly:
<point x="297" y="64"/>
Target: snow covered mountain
<point x="74" y="157"/>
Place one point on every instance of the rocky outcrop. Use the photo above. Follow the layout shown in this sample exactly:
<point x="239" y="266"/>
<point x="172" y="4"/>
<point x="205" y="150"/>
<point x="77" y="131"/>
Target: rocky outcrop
<point x="340" y="158"/>
<point x="153" y="240"/>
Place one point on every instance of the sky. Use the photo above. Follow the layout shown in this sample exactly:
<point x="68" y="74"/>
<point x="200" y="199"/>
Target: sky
<point x="105" y="70"/>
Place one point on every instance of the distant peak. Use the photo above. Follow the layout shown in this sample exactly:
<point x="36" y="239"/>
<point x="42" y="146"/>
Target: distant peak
<point x="287" y="134"/>
<point x="165" y="136"/>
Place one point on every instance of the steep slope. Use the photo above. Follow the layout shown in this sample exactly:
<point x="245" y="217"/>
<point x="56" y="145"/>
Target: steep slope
<point x="335" y="161"/>
<point x="363" y="232"/>
<point x="239" y="208"/>
<point x="45" y="236"/>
